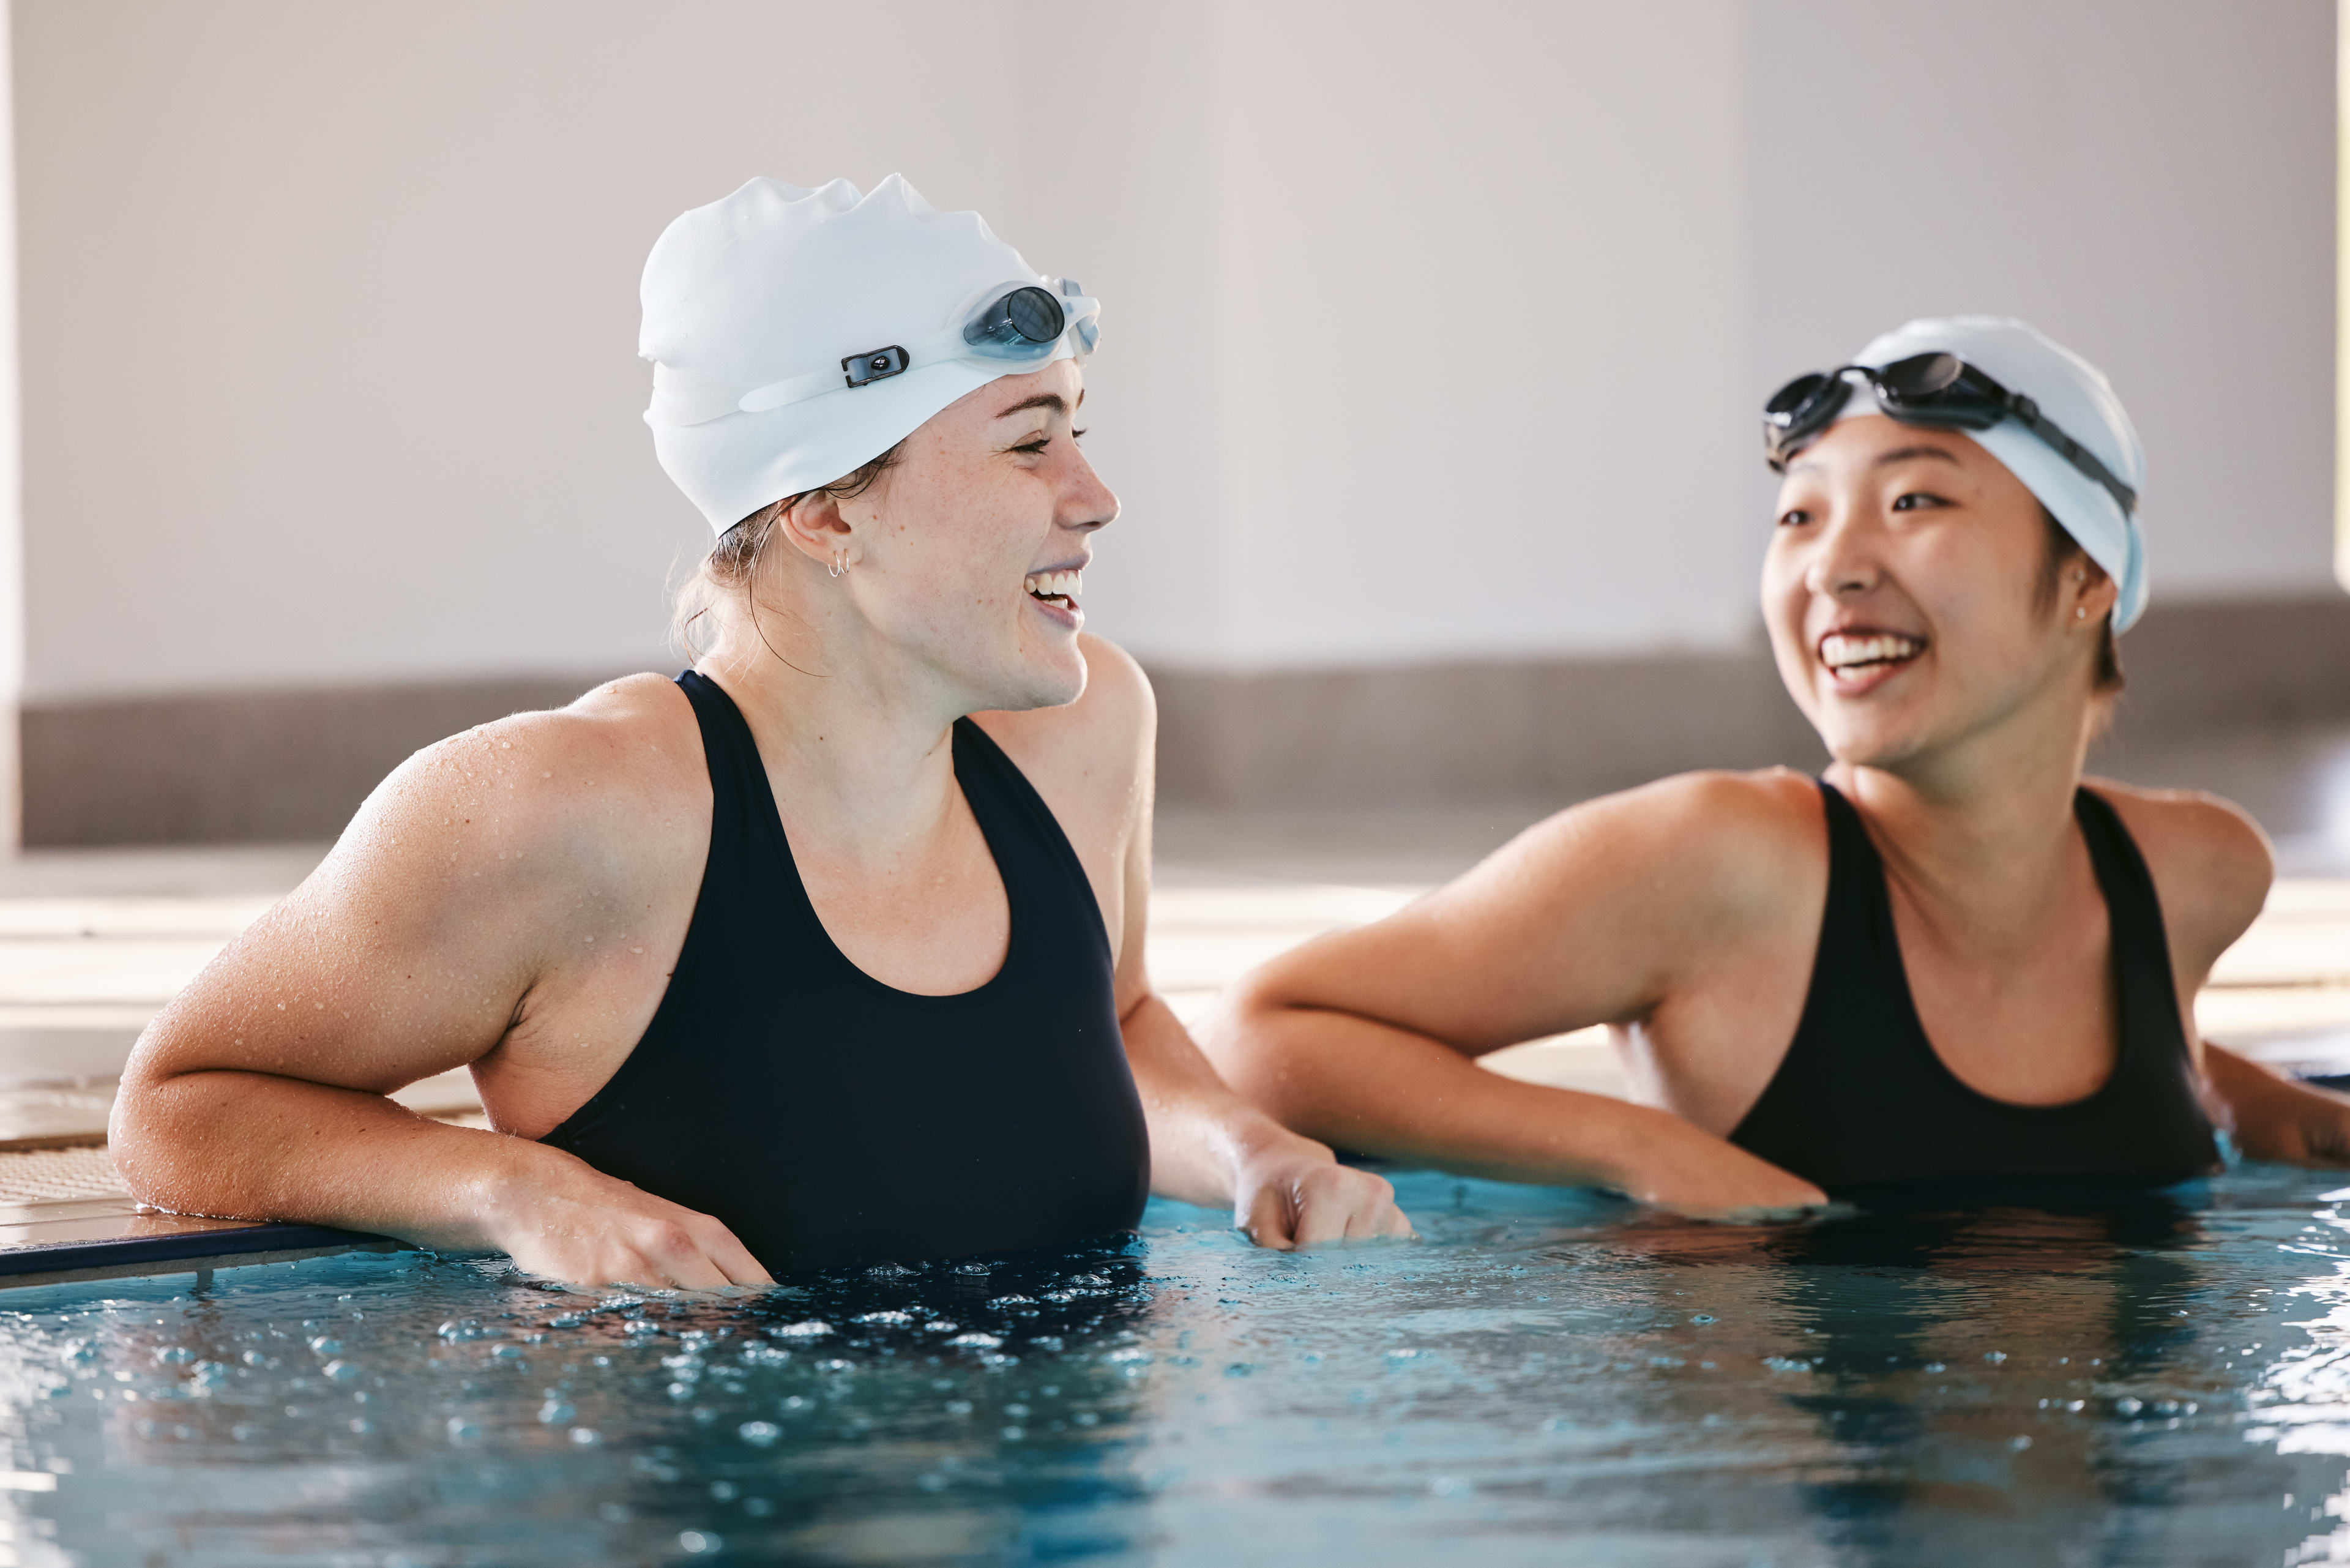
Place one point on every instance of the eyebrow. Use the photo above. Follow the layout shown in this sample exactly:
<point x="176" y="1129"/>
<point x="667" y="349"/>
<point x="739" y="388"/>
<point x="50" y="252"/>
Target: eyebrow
<point x="1904" y="453"/>
<point x="1052" y="400"/>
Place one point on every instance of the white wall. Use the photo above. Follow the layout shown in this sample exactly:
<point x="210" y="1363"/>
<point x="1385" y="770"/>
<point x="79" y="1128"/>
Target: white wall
<point x="1420" y="340"/>
<point x="331" y="329"/>
<point x="12" y="515"/>
<point x="2150" y="181"/>
<point x="1482" y="278"/>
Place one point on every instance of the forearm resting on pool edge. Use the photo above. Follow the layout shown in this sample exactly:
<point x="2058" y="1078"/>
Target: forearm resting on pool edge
<point x="1380" y="1089"/>
<point x="2276" y="1117"/>
<point x="1210" y="1146"/>
<point x="246" y="1145"/>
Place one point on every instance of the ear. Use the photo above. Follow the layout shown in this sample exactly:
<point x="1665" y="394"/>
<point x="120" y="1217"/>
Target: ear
<point x="814" y="526"/>
<point x="2091" y="593"/>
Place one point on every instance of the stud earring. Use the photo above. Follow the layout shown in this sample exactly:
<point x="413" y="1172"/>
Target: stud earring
<point x="2080" y="612"/>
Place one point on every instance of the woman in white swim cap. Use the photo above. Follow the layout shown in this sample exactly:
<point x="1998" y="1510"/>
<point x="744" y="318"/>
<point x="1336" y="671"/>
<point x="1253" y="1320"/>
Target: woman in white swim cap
<point x="1950" y="958"/>
<point x="790" y="963"/>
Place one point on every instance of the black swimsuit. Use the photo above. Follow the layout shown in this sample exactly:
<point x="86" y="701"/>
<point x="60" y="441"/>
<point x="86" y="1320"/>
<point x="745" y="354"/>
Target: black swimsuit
<point x="828" y="1118"/>
<point x="1861" y="1099"/>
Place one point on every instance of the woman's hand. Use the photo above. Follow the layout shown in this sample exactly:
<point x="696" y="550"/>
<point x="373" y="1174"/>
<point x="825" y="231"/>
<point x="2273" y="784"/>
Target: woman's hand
<point x="1291" y="1192"/>
<point x="2275" y="1118"/>
<point x="587" y="1229"/>
<point x="1691" y="1172"/>
<point x="1210" y="1148"/>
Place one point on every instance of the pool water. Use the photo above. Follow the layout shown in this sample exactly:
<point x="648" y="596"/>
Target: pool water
<point x="1546" y="1377"/>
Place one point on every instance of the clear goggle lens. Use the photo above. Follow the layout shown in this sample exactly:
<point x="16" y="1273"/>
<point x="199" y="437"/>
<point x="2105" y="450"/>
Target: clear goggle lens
<point x="1027" y="323"/>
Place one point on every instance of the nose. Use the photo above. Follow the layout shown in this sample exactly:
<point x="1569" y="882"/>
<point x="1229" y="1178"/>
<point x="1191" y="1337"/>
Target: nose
<point x="1087" y="504"/>
<point x="1846" y="562"/>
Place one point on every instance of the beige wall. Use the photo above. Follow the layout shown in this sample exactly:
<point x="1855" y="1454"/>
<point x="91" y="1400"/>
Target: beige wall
<point x="1422" y="341"/>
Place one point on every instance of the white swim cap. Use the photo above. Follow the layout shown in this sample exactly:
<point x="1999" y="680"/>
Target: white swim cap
<point x="797" y="335"/>
<point x="2073" y="394"/>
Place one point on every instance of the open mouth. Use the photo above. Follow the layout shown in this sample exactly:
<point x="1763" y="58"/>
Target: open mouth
<point x="1058" y="589"/>
<point x="1859" y="656"/>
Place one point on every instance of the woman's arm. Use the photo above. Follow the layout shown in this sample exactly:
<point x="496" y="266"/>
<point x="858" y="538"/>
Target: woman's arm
<point x="1093" y="762"/>
<point x="2213" y="868"/>
<point x="260" y="1092"/>
<point x="1208" y="1144"/>
<point x="1368" y="1038"/>
<point x="2276" y="1117"/>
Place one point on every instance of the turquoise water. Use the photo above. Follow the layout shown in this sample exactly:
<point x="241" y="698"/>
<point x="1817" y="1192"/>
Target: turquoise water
<point x="1545" y="1379"/>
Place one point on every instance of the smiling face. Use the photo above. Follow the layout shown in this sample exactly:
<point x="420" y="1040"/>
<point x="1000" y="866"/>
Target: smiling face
<point x="1905" y="589"/>
<point x="966" y="559"/>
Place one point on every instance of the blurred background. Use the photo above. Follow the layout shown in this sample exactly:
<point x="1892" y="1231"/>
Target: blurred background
<point x="1432" y="352"/>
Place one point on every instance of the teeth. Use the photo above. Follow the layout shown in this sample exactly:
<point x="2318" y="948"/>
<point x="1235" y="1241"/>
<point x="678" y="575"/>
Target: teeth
<point x="1055" y="584"/>
<point x="1840" y="652"/>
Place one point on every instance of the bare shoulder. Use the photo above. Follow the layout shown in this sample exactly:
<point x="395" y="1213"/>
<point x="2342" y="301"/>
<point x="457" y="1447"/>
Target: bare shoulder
<point x="485" y="864"/>
<point x="1727" y="841"/>
<point x="595" y="794"/>
<point x="2211" y="862"/>
<point x="1654" y="885"/>
<point x="1089" y="758"/>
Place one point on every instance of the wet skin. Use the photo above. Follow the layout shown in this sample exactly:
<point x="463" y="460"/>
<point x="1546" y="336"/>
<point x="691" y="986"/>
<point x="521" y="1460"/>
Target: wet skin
<point x="1904" y="593"/>
<point x="515" y="898"/>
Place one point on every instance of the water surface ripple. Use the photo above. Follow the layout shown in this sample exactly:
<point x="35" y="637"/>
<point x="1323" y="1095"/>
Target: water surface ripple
<point x="1545" y="1378"/>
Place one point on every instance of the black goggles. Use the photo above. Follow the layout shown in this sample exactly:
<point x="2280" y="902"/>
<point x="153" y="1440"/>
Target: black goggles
<point x="1935" y="391"/>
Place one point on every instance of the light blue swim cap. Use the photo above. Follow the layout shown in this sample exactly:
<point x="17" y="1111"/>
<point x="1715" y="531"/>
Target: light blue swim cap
<point x="2072" y="393"/>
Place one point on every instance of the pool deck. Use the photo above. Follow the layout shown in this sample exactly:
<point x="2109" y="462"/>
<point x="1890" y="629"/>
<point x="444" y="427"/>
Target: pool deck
<point x="93" y="942"/>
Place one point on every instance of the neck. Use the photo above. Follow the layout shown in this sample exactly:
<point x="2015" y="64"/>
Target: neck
<point x="1979" y="834"/>
<point x="856" y="738"/>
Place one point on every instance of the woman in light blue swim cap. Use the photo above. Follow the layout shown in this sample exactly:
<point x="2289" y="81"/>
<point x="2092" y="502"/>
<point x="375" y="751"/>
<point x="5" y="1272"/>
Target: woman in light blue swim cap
<point x="1950" y="958"/>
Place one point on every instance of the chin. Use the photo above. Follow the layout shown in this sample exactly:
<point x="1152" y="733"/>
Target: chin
<point x="1865" y="739"/>
<point x="1053" y="681"/>
<point x="1874" y="745"/>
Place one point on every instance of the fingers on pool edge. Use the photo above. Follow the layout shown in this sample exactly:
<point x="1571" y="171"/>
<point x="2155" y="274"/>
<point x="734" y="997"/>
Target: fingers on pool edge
<point x="1267" y="1222"/>
<point x="1383" y="1222"/>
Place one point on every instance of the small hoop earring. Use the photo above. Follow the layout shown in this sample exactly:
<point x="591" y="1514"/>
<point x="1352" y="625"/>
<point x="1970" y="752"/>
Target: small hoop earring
<point x="838" y="566"/>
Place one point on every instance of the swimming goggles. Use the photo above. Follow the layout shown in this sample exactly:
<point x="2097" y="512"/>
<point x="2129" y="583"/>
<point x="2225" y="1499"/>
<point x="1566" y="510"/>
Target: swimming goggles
<point x="1013" y="325"/>
<point x="1936" y="391"/>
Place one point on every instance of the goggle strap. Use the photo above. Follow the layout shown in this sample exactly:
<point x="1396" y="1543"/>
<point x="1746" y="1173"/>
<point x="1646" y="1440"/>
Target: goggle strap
<point x="701" y="408"/>
<point x="1811" y="416"/>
